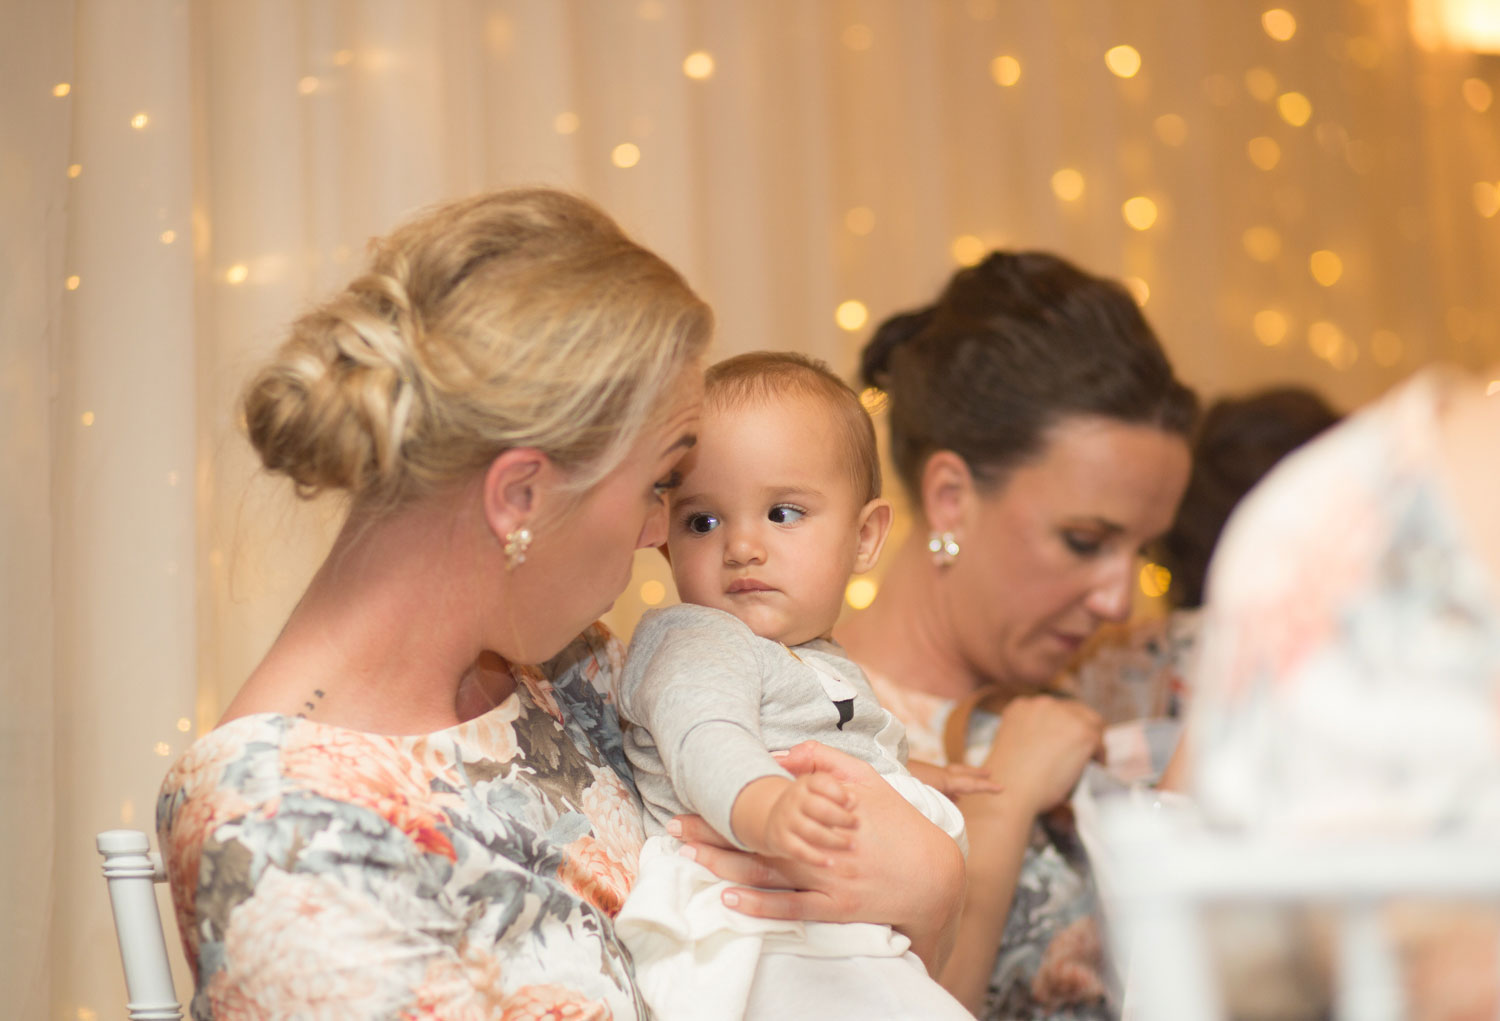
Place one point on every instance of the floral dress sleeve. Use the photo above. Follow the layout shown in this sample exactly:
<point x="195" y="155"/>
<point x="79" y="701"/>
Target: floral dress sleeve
<point x="319" y="871"/>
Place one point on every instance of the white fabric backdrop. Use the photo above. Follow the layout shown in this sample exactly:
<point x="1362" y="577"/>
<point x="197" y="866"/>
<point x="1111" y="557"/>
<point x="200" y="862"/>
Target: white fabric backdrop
<point x="232" y="159"/>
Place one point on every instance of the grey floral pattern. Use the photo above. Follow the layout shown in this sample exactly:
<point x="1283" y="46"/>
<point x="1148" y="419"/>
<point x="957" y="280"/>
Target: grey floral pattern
<point x="472" y="872"/>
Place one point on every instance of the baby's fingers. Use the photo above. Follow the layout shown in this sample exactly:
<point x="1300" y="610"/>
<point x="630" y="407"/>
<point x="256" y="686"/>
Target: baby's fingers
<point x="825" y="813"/>
<point x="817" y="835"/>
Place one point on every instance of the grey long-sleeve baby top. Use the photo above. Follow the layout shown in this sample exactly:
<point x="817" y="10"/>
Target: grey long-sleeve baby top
<point x="708" y="701"/>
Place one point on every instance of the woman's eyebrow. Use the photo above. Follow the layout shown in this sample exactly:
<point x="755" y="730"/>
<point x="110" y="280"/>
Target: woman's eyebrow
<point x="685" y="442"/>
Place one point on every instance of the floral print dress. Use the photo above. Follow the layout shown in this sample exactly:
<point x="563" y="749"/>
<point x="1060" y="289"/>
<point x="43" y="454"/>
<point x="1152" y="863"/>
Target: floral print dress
<point x="1348" y="678"/>
<point x="1048" y="967"/>
<point x="468" y="873"/>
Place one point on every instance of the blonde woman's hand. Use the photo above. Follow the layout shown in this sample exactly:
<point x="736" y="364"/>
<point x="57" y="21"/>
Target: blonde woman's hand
<point x="901" y="869"/>
<point x="1041" y="747"/>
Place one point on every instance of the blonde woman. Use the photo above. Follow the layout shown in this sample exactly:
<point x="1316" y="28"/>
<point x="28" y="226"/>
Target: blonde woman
<point x="418" y="805"/>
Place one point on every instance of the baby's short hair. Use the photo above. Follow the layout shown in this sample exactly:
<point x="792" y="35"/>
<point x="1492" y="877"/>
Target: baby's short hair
<point x="762" y="375"/>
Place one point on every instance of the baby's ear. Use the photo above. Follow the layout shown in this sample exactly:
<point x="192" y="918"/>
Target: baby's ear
<point x="873" y="524"/>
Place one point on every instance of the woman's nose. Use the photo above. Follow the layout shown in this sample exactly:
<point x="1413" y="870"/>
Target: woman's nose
<point x="1110" y="597"/>
<point x="654" y="531"/>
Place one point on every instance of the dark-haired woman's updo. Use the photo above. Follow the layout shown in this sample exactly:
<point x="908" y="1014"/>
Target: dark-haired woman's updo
<point x="1010" y="348"/>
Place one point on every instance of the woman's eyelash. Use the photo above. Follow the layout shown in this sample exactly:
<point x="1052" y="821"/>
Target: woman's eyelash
<point x="669" y="483"/>
<point x="1081" y="545"/>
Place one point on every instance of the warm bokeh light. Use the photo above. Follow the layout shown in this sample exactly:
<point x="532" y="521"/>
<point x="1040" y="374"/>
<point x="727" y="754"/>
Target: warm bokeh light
<point x="1493" y="388"/>
<point x="1329" y="343"/>
<point x="1478" y="94"/>
<point x="1364" y="51"/>
<point x="625" y="155"/>
<point x="86" y="419"/>
<point x="1171" y="128"/>
<point x="307" y="85"/>
<point x="1006" y="70"/>
<point x="139" y="121"/>
<point x="1462" y="324"/>
<point x="61" y="89"/>
<point x="237" y="274"/>
<point x="163" y="749"/>
<point x="1386" y="348"/>
<point x="967" y="250"/>
<point x="72" y="282"/>
<point x="1139" y="290"/>
<point x="1295" y="108"/>
<point x="1124" y="61"/>
<point x="1326" y="267"/>
<point x="565" y="123"/>
<point x="168" y="236"/>
<point x="1264" y="152"/>
<point x="653" y="592"/>
<point x="860" y="592"/>
<point x="860" y="220"/>
<point x="1261" y="243"/>
<point x="1270" y="327"/>
<point x="1261" y="84"/>
<point x="873" y="400"/>
<point x="1139" y="212"/>
<point x="859" y="37"/>
<point x="1154" y="580"/>
<point x="851" y="315"/>
<point x="1486" y="198"/>
<point x="1279" y="24"/>
<point x="1067" y="184"/>
<point x="698" y="65"/>
<point x="75" y="169"/>
<point x="184" y="724"/>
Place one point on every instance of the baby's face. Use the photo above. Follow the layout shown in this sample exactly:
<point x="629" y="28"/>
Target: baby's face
<point x="766" y="523"/>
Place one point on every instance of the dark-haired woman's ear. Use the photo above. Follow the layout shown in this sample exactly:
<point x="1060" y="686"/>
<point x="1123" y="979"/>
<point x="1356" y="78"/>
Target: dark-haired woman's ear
<point x="874" y="526"/>
<point x="947" y="484"/>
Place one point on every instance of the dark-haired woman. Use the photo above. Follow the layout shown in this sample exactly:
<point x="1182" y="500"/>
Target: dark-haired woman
<point x="1043" y="440"/>
<point x="1136" y="674"/>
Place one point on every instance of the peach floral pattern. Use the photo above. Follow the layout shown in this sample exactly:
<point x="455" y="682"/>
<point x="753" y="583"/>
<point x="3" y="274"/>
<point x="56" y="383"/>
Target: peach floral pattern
<point x="470" y="873"/>
<point x="1349" y="664"/>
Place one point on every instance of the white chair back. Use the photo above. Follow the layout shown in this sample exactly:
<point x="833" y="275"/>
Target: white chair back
<point x="1163" y="873"/>
<point x="132" y="872"/>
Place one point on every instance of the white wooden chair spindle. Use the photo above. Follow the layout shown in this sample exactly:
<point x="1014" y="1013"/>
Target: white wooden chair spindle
<point x="1162" y="875"/>
<point x="132" y="871"/>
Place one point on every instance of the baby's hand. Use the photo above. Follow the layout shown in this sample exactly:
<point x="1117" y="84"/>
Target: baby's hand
<point x="954" y="779"/>
<point x="809" y="818"/>
<point x="806" y="819"/>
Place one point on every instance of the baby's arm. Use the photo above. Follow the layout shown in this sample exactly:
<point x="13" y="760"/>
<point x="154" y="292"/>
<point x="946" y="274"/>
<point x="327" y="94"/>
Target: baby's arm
<point x="805" y="818"/>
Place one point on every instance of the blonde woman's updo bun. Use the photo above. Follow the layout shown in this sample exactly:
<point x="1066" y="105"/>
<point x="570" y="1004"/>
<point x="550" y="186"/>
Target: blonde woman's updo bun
<point x="510" y="319"/>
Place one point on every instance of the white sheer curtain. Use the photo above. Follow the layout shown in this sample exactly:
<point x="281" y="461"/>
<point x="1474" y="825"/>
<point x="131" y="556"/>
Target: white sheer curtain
<point x="180" y="176"/>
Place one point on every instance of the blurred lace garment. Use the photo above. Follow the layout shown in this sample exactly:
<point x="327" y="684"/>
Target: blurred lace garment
<point x="1349" y="667"/>
<point x="1351" y="681"/>
<point x="1050" y="966"/>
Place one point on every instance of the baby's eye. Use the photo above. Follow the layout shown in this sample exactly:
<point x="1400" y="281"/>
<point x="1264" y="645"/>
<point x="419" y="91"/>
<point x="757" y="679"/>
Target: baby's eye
<point x="785" y="513"/>
<point x="701" y="524"/>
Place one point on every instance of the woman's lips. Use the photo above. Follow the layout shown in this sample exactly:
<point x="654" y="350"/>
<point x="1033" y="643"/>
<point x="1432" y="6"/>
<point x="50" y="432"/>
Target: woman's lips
<point x="747" y="585"/>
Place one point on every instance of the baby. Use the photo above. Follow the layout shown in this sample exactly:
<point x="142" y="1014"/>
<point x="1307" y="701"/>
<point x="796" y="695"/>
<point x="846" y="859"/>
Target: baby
<point x="779" y="504"/>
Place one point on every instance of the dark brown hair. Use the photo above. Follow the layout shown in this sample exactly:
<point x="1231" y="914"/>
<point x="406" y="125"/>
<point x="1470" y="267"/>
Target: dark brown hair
<point x="762" y="375"/>
<point x="1010" y="348"/>
<point x="1239" y="441"/>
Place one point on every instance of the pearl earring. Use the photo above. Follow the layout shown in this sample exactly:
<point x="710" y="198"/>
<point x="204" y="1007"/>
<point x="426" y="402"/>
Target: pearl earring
<point x="944" y="548"/>
<point x="515" y="547"/>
